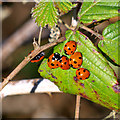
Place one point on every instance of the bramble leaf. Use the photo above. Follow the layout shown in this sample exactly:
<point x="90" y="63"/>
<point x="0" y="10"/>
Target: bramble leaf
<point x="110" y="45"/>
<point x="96" y="11"/>
<point x="99" y="87"/>
<point x="65" y="6"/>
<point x="46" y="13"/>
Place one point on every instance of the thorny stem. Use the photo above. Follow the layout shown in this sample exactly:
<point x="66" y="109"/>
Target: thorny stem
<point x="27" y="60"/>
<point x="91" y="31"/>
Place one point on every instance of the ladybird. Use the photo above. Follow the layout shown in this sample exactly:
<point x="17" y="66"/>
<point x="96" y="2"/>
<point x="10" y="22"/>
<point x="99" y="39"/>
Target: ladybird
<point x="82" y="73"/>
<point x="53" y="60"/>
<point x="64" y="62"/>
<point x="38" y="57"/>
<point x="70" y="47"/>
<point x="75" y="60"/>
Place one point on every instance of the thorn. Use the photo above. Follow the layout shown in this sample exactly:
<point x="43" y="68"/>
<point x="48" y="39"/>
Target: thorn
<point x="35" y="44"/>
<point x="50" y="94"/>
<point x="95" y="37"/>
<point x="92" y="34"/>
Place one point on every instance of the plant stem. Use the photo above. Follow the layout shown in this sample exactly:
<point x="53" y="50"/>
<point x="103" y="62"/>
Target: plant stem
<point x="26" y="60"/>
<point x="77" y="109"/>
<point x="91" y="31"/>
<point x="39" y="40"/>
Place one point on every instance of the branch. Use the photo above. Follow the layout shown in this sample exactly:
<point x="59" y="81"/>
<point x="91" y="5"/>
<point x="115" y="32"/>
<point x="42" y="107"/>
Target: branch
<point x="28" y="86"/>
<point x="27" y="59"/>
<point x="91" y="31"/>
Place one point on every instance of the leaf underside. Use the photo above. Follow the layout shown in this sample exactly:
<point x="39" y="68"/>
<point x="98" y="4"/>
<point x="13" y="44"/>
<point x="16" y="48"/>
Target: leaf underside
<point x="91" y="11"/>
<point x="98" y="87"/>
<point x="110" y="45"/>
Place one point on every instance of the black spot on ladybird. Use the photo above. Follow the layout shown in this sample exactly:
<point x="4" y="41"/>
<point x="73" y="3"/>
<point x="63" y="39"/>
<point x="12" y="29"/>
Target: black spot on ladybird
<point x="80" y="57"/>
<point x="60" y="61"/>
<point x="65" y="63"/>
<point x="79" y="73"/>
<point x="75" y="62"/>
<point x="84" y="70"/>
<point x="61" y="66"/>
<point x="48" y="60"/>
<point x="65" y="45"/>
<point x="57" y="64"/>
<point x="73" y="45"/>
<point x="71" y="65"/>
<point x="80" y="78"/>
<point x="52" y="64"/>
<point x="70" y="59"/>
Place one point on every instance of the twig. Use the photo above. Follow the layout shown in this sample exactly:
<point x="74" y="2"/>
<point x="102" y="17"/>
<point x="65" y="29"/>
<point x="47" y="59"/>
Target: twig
<point x="39" y="40"/>
<point x="112" y="114"/>
<point x="15" y="40"/>
<point x="77" y="109"/>
<point x="91" y="31"/>
<point x="27" y="59"/>
<point x="26" y="86"/>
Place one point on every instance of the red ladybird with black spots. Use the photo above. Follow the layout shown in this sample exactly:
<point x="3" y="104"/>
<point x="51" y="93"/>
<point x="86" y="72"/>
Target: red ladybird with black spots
<point x="64" y="62"/>
<point x="53" y="60"/>
<point x="82" y="73"/>
<point x="38" y="57"/>
<point x="75" y="60"/>
<point x="70" y="47"/>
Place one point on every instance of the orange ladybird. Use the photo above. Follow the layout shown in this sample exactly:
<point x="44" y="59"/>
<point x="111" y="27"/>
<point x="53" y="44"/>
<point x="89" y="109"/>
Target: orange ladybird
<point x="82" y="73"/>
<point x="75" y="60"/>
<point x="53" y="60"/>
<point x="64" y="63"/>
<point x="70" y="47"/>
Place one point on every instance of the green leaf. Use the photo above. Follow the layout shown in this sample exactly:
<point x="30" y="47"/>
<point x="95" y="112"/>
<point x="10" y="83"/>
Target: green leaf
<point x="96" y="11"/>
<point x="110" y="45"/>
<point x="46" y="13"/>
<point x="98" y="87"/>
<point x="65" y="6"/>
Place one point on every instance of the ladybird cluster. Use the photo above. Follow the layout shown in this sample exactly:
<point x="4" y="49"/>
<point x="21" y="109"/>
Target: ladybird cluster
<point x="75" y="60"/>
